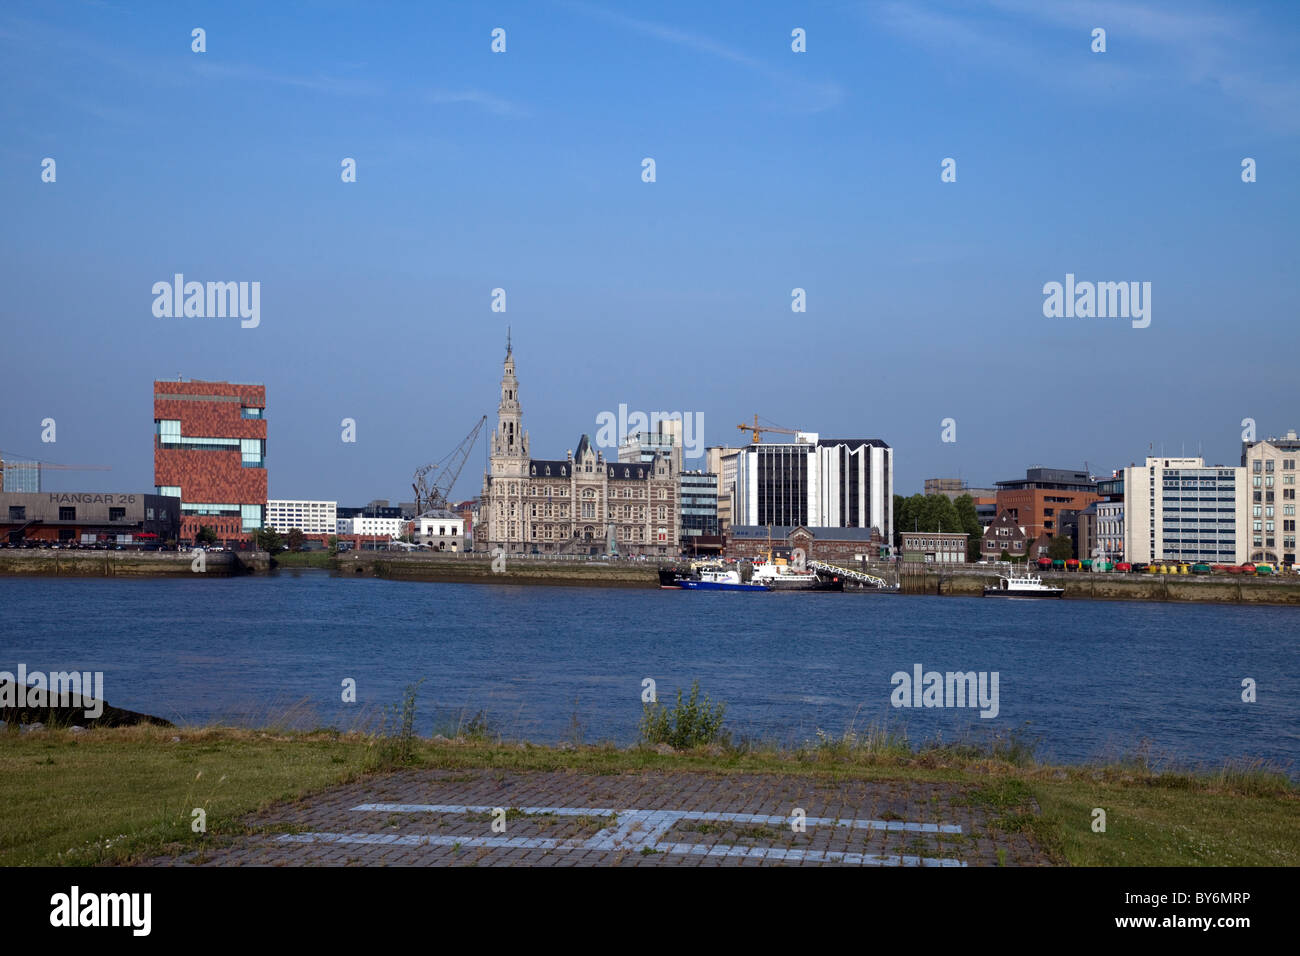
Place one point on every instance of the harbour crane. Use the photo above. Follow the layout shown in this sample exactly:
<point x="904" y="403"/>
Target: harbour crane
<point x="44" y="466"/>
<point x="430" y="494"/>
<point x="756" y="428"/>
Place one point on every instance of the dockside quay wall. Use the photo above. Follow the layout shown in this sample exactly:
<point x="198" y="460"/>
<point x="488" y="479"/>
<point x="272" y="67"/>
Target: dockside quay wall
<point x="432" y="567"/>
<point x="1120" y="587"/>
<point x="917" y="579"/>
<point x="57" y="562"/>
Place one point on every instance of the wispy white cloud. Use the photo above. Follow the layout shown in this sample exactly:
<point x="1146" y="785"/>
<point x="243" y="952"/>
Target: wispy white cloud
<point x="1166" y="47"/>
<point x="493" y="104"/>
<point x="317" y="83"/>
<point x="56" y="45"/>
<point x="805" y="95"/>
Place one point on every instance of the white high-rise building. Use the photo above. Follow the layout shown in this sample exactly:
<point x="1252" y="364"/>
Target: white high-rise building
<point x="817" y="482"/>
<point x="309" y="517"/>
<point x="1178" y="509"/>
<point x="361" y="524"/>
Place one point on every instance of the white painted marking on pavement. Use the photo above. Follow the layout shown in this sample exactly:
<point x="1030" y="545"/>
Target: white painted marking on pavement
<point x="639" y="829"/>
<point x="894" y="825"/>
<point x="794" y="854"/>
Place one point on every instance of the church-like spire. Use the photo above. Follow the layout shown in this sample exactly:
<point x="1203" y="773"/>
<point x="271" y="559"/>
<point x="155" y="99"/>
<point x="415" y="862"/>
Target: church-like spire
<point x="509" y="439"/>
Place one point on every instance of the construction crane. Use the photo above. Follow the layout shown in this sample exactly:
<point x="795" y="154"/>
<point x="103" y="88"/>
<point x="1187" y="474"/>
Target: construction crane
<point x="756" y="428"/>
<point x="50" y="466"/>
<point x="431" y="494"/>
<point x="44" y="466"/>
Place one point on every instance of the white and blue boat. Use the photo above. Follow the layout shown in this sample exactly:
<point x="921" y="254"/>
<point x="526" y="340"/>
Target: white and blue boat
<point x="706" y="579"/>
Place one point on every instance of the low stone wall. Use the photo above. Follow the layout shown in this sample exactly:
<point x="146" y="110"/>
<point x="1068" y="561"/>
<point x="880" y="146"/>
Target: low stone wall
<point x="466" y="568"/>
<point x="51" y="562"/>
<point x="966" y="582"/>
<point x="1215" y="589"/>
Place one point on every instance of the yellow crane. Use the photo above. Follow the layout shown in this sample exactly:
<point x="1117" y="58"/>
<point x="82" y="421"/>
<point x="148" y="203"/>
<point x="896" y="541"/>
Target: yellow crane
<point x="756" y="429"/>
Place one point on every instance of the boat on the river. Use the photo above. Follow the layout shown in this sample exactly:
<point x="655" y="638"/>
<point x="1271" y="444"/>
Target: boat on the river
<point x="705" y="578"/>
<point x="783" y="577"/>
<point x="1025" y="585"/>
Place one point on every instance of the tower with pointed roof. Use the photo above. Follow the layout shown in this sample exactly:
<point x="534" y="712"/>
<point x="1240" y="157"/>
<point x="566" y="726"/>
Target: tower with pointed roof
<point x="579" y="504"/>
<point x="509" y="440"/>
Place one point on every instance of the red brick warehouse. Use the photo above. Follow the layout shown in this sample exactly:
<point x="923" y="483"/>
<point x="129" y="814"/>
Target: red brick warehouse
<point x="210" y="451"/>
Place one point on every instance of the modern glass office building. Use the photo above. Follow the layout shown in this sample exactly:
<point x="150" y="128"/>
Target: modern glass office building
<point x="21" y="476"/>
<point x="699" y="505"/>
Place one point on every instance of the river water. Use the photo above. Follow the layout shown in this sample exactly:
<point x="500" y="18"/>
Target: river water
<point x="1082" y="679"/>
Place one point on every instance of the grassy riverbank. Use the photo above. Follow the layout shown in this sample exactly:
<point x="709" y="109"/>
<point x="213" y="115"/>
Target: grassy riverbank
<point x="117" y="795"/>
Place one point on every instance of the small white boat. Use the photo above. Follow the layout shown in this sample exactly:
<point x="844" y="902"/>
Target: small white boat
<point x="1022" y="586"/>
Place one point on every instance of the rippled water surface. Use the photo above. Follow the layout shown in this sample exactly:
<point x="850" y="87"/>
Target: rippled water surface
<point x="1083" y="679"/>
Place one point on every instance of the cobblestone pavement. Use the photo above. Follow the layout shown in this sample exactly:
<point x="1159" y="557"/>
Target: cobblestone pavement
<point x="508" y="818"/>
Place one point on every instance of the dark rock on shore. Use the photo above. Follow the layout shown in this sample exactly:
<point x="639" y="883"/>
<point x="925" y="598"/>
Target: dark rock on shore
<point x="71" y="716"/>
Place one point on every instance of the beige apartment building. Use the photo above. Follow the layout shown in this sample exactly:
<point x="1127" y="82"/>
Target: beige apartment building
<point x="1270" y="467"/>
<point x="721" y="461"/>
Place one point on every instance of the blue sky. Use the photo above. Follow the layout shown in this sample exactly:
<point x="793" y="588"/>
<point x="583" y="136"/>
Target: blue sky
<point x="775" y="170"/>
